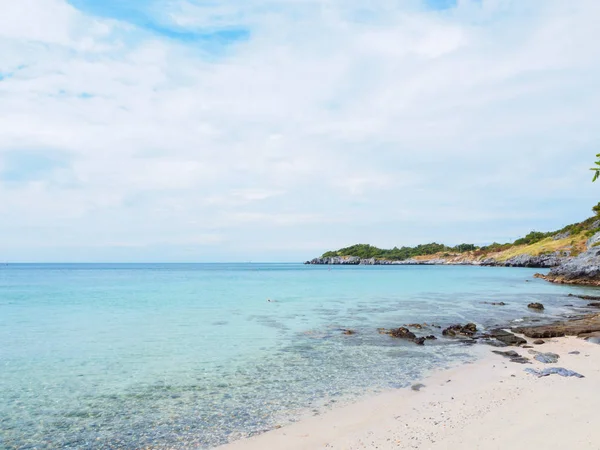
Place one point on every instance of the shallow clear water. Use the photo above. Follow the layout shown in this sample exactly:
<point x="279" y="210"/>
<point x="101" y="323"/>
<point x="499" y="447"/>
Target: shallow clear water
<point x="184" y="356"/>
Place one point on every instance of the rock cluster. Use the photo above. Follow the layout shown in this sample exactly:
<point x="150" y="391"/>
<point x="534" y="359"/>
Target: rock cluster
<point x="467" y="330"/>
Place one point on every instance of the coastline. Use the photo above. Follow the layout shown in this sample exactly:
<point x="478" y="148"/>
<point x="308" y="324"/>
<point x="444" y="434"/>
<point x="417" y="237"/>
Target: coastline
<point x="489" y="404"/>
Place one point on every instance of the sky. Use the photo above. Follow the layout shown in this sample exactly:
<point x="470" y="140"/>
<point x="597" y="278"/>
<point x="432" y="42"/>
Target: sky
<point x="272" y="130"/>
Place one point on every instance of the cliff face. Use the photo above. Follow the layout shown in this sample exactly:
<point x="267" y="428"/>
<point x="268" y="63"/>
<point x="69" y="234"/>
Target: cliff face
<point x="583" y="269"/>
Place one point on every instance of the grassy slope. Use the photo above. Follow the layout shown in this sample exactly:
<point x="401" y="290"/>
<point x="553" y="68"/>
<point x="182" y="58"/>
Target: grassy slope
<point x="575" y="244"/>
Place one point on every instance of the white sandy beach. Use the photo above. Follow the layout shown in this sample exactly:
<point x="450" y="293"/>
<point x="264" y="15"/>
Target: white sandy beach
<point x="491" y="404"/>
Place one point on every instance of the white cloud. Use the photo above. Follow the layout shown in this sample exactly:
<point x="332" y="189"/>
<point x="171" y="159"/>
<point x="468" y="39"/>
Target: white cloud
<point x="377" y="119"/>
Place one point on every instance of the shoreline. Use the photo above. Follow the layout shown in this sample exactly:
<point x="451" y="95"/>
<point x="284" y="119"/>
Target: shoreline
<point x="489" y="404"/>
<point x="405" y="418"/>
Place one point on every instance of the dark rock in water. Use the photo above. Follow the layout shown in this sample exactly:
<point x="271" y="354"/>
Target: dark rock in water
<point x="507" y="338"/>
<point x="547" y="358"/>
<point x="418" y="326"/>
<point x="457" y="330"/>
<point x="420" y="341"/>
<point x="554" y="370"/>
<point x="402" y="333"/>
<point x="495" y="303"/>
<point x="539" y="342"/>
<point x="594" y="305"/>
<point x="537" y="306"/>
<point x="348" y="332"/>
<point x="431" y="337"/>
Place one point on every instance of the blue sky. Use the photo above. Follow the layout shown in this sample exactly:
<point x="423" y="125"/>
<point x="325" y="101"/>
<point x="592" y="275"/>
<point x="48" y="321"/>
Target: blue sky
<point x="266" y="130"/>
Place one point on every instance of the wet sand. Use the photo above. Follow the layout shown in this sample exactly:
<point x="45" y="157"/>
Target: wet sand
<point x="490" y="404"/>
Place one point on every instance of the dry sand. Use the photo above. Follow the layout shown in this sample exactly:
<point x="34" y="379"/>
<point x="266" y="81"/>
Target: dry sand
<point x="490" y="404"/>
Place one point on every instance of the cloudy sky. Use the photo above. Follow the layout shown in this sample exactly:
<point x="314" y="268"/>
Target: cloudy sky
<point x="273" y="130"/>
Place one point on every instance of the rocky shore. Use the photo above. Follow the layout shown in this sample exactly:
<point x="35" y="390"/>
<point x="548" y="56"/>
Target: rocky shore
<point x="505" y="399"/>
<point x="543" y="261"/>
<point x="583" y="269"/>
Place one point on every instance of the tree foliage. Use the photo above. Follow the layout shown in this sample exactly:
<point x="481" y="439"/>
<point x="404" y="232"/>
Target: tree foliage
<point x="596" y="169"/>
<point x="366" y="251"/>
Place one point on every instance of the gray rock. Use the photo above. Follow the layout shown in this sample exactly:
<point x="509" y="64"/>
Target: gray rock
<point x="542" y="261"/>
<point x="547" y="358"/>
<point x="552" y="371"/>
<point x="564" y="235"/>
<point x="595" y="239"/>
<point x="583" y="269"/>
<point x="507" y="338"/>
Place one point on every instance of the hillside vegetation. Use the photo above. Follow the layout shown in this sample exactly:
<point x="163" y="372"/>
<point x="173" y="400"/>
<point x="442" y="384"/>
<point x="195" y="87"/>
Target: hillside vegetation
<point x="570" y="240"/>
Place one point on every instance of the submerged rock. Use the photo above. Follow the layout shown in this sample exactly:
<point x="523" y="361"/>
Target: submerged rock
<point x="402" y="333"/>
<point x="419" y="341"/>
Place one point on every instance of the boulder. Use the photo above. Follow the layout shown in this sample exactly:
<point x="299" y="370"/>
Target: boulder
<point x="402" y="333"/>
<point x="507" y="338"/>
<point x="537" y="306"/>
<point x="539" y="342"/>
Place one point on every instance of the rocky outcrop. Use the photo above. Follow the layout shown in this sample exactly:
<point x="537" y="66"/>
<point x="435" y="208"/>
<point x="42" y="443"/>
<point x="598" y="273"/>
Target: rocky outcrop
<point x="583" y="269"/>
<point x="541" y="262"/>
<point x="536" y="305"/>
<point x="467" y="330"/>
<point x="577" y="327"/>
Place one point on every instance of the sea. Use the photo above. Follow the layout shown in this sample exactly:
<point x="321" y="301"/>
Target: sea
<point x="170" y="356"/>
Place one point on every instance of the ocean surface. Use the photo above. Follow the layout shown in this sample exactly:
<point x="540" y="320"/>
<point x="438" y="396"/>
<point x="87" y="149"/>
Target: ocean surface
<point x="194" y="355"/>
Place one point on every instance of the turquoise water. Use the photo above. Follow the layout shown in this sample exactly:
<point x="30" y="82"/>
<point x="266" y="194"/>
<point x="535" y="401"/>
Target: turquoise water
<point x="191" y="356"/>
